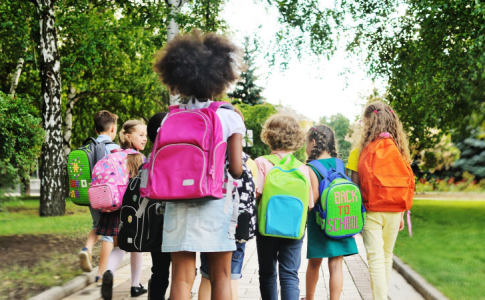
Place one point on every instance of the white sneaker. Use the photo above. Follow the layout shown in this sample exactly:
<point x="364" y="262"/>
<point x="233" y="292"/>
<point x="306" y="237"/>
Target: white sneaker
<point x="85" y="260"/>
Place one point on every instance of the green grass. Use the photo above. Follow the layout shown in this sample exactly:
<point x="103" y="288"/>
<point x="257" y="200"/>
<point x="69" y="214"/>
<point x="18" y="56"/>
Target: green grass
<point x="448" y="246"/>
<point x="22" y="217"/>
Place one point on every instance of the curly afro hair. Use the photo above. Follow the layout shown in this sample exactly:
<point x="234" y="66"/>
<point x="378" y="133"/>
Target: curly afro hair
<point x="199" y="65"/>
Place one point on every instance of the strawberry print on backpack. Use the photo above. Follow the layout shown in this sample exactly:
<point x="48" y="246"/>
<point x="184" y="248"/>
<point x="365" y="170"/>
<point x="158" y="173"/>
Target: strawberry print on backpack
<point x="109" y="181"/>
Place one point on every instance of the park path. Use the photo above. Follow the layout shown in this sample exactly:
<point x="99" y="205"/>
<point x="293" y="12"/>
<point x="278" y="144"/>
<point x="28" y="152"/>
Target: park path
<point x="356" y="279"/>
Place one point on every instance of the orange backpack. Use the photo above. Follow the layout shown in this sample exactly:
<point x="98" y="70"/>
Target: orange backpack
<point x="386" y="180"/>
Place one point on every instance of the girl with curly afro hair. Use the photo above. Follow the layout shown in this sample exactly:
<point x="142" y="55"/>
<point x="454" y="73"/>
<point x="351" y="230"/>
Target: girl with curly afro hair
<point x="199" y="67"/>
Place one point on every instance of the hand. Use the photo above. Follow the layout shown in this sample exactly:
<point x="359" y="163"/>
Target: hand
<point x="401" y="226"/>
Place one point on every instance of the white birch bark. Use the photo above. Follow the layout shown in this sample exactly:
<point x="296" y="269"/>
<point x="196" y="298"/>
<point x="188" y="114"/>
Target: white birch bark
<point x="173" y="30"/>
<point x="71" y="96"/>
<point x="52" y="198"/>
<point x="16" y="76"/>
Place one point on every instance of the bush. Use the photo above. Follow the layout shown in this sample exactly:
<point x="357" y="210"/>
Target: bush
<point x="468" y="183"/>
<point x="21" y="139"/>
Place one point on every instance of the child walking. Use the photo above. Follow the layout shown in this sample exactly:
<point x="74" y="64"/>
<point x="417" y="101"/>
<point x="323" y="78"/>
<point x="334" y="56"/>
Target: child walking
<point x="133" y="135"/>
<point x="387" y="186"/>
<point x="200" y="67"/>
<point x="106" y="127"/>
<point x="246" y="226"/>
<point x="284" y="136"/>
<point x="321" y="146"/>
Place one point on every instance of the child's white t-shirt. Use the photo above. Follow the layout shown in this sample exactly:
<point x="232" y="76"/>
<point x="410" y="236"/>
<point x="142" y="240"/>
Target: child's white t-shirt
<point x="231" y="122"/>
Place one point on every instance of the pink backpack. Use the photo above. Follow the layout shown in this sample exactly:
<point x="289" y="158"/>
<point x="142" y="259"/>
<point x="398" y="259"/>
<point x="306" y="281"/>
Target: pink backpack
<point x="187" y="161"/>
<point x="109" y="181"/>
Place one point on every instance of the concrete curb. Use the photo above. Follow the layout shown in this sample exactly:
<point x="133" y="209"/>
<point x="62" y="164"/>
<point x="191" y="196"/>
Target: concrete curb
<point x="428" y="291"/>
<point x="77" y="284"/>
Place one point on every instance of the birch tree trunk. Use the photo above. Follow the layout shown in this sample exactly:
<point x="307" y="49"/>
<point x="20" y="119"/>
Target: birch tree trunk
<point x="16" y="76"/>
<point x="68" y="120"/>
<point x="52" y="198"/>
<point x="173" y="30"/>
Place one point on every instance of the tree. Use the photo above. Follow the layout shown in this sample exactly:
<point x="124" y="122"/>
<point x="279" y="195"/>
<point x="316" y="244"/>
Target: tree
<point x="52" y="200"/>
<point x="21" y="139"/>
<point x="254" y="118"/>
<point x="340" y="125"/>
<point x="432" y="56"/>
<point x="246" y="89"/>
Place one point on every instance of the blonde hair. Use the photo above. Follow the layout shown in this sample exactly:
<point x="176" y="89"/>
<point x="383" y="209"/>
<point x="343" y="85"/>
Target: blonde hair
<point x="283" y="132"/>
<point x="134" y="161"/>
<point x="378" y="118"/>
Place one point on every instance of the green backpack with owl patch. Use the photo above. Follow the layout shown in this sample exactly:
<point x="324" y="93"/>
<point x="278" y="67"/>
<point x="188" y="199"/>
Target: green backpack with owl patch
<point x="80" y="164"/>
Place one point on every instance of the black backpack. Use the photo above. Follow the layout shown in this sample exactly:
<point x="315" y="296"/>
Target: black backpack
<point x="80" y="164"/>
<point x="142" y="233"/>
<point x="246" y="221"/>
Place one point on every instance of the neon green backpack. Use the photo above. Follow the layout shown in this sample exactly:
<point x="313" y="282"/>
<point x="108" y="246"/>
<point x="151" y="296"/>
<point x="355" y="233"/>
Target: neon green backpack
<point x="340" y="211"/>
<point x="283" y="209"/>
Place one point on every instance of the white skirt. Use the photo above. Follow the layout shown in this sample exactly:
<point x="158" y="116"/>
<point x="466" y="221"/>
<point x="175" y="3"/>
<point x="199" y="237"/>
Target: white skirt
<point x="203" y="226"/>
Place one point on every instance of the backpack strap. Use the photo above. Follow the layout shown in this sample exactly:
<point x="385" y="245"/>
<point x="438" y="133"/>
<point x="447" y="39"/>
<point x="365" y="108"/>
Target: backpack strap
<point x="319" y="167"/>
<point x="220" y="104"/>
<point x="275" y="160"/>
<point x="340" y="166"/>
<point x="90" y="140"/>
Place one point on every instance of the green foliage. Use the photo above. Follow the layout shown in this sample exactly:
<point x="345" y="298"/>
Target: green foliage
<point x="246" y="90"/>
<point x="448" y="184"/>
<point x="21" y="138"/>
<point x="254" y="118"/>
<point x="440" y="157"/>
<point x="433" y="58"/>
<point x="341" y="126"/>
<point x="447" y="246"/>
<point x="472" y="158"/>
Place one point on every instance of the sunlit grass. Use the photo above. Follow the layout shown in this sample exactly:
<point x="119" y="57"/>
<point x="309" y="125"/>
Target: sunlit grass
<point x="448" y="246"/>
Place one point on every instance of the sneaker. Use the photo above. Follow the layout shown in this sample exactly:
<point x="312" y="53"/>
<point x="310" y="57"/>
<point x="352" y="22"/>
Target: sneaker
<point x="85" y="260"/>
<point x="107" y="285"/>
<point x="137" y="291"/>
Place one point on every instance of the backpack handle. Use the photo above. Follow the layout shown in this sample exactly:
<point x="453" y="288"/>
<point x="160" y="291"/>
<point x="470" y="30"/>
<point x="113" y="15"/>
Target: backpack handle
<point x="89" y="140"/>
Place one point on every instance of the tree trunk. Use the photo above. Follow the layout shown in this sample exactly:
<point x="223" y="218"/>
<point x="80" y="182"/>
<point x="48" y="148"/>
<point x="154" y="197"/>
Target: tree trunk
<point x="52" y="199"/>
<point x="25" y="187"/>
<point x="172" y="31"/>
<point x="16" y="76"/>
<point x="68" y="120"/>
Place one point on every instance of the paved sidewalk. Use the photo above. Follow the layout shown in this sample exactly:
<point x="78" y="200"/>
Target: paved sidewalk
<point x="356" y="280"/>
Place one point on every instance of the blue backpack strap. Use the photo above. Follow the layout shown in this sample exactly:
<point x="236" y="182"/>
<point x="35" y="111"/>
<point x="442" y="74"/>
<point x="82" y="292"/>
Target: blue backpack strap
<point x="340" y="166"/>
<point x="319" y="167"/>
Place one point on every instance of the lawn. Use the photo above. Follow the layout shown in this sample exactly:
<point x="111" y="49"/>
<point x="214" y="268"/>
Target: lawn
<point x="38" y="253"/>
<point x="448" y="246"/>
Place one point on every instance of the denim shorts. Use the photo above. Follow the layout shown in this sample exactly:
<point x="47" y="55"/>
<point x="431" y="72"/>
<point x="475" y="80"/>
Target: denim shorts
<point x="236" y="263"/>
<point x="202" y="226"/>
<point x="95" y="215"/>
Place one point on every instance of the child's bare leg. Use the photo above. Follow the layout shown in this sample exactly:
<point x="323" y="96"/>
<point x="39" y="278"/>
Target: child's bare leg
<point x="106" y="248"/>
<point x="312" y="274"/>
<point x="220" y="274"/>
<point x="204" y="289"/>
<point x="183" y="275"/>
<point x="91" y="240"/>
<point x="336" y="276"/>
<point x="234" y="289"/>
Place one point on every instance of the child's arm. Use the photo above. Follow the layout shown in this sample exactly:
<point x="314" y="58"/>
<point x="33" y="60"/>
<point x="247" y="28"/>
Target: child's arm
<point x="401" y="226"/>
<point x="315" y="185"/>
<point x="234" y="150"/>
<point x="355" y="178"/>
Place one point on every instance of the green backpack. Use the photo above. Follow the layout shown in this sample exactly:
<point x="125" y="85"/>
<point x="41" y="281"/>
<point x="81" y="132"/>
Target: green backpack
<point x="80" y="164"/>
<point x="340" y="211"/>
<point x="283" y="209"/>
